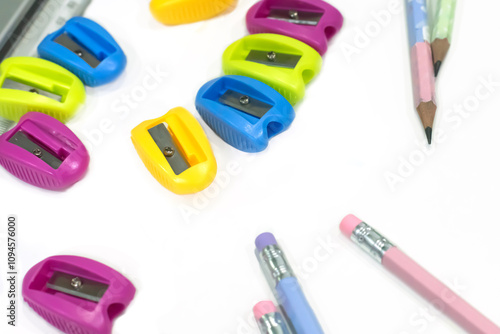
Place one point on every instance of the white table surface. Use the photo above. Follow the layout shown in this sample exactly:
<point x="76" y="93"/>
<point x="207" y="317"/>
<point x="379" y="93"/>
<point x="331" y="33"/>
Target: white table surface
<point x="191" y="257"/>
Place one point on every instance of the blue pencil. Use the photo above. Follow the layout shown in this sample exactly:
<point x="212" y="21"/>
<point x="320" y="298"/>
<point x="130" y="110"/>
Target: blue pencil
<point x="285" y="286"/>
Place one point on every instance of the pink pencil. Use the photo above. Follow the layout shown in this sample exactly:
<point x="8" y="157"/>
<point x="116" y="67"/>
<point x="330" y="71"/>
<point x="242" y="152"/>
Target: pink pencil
<point x="416" y="277"/>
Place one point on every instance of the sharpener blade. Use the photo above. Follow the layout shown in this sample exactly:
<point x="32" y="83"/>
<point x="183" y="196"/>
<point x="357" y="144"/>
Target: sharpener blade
<point x="245" y="104"/>
<point x="75" y="47"/>
<point x="296" y="16"/>
<point x="273" y="58"/>
<point x="11" y="84"/>
<point x="20" y="139"/>
<point x="77" y="286"/>
<point x="165" y="143"/>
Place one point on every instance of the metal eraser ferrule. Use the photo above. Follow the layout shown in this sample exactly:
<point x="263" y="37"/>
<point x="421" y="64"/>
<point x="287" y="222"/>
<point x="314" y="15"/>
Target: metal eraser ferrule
<point x="281" y="62"/>
<point x="76" y="294"/>
<point x="313" y="22"/>
<point x="34" y="84"/>
<point x="174" y="12"/>
<point x="371" y="241"/>
<point x="43" y="152"/>
<point x="244" y="112"/>
<point x="273" y="323"/>
<point x="176" y="151"/>
<point x="86" y="49"/>
<point x="274" y="264"/>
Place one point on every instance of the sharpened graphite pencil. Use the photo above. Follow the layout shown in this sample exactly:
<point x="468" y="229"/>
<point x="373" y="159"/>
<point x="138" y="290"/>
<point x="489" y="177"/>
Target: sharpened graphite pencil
<point x="441" y="32"/>
<point x="422" y="69"/>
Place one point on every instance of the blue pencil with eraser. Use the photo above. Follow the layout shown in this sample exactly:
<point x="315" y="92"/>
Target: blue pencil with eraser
<point x="285" y="286"/>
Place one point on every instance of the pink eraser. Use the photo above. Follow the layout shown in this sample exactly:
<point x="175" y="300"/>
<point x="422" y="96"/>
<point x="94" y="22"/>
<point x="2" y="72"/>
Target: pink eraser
<point x="348" y="225"/>
<point x="263" y="308"/>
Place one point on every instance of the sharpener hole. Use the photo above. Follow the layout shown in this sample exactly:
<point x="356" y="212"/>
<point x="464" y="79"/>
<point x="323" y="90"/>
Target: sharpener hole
<point x="307" y="75"/>
<point x="274" y="128"/>
<point x="330" y="32"/>
<point x="114" y="310"/>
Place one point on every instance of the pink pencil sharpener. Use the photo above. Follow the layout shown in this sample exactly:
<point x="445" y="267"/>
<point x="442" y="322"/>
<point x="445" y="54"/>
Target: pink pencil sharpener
<point x="77" y="295"/>
<point x="43" y="152"/>
<point x="313" y="22"/>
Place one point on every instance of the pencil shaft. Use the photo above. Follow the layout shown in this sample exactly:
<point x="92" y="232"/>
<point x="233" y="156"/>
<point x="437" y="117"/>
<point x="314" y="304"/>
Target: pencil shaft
<point x="438" y="294"/>
<point x="422" y="66"/>
<point x="416" y="277"/>
<point x="418" y="25"/>
<point x="445" y="17"/>
<point x="420" y="52"/>
<point x="422" y="72"/>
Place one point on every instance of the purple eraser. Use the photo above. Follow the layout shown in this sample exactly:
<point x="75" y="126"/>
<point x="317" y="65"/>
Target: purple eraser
<point x="313" y="22"/>
<point x="77" y="295"/>
<point x="264" y="240"/>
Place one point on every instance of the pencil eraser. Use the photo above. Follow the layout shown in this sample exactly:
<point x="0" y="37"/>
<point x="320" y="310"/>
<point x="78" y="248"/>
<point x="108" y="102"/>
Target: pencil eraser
<point x="264" y="240"/>
<point x="348" y="225"/>
<point x="263" y="308"/>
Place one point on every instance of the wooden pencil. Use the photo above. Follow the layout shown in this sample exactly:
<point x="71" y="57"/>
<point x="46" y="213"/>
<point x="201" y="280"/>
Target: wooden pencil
<point x="441" y="33"/>
<point x="422" y="69"/>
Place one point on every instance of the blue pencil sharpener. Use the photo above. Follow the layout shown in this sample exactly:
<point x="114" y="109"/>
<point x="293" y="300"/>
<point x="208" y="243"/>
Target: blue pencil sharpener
<point x="86" y="49"/>
<point x="244" y="112"/>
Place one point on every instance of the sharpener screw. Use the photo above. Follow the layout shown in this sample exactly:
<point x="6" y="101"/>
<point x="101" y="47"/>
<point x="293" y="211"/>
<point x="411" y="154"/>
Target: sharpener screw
<point x="79" y="53"/>
<point x="76" y="283"/>
<point x="169" y="152"/>
<point x="271" y="56"/>
<point x="293" y="14"/>
<point x="37" y="152"/>
<point x="244" y="100"/>
<point x="33" y="90"/>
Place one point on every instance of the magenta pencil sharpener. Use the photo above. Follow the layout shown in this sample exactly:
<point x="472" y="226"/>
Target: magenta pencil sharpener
<point x="313" y="22"/>
<point x="43" y="152"/>
<point x="77" y="295"/>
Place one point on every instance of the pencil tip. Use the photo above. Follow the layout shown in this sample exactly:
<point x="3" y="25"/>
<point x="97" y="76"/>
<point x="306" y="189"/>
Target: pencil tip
<point x="437" y="66"/>
<point x="428" y="132"/>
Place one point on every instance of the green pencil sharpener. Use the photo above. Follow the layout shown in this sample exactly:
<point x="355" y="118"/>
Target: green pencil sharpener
<point x="33" y="84"/>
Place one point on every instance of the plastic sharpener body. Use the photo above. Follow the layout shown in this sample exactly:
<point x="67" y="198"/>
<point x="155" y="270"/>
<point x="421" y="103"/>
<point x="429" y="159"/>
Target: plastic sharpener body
<point x="174" y="12"/>
<point x="281" y="62"/>
<point x="34" y="84"/>
<point x="313" y="22"/>
<point x="176" y="151"/>
<point x="77" y="295"/>
<point x="43" y="152"/>
<point x="244" y="112"/>
<point x="86" y="49"/>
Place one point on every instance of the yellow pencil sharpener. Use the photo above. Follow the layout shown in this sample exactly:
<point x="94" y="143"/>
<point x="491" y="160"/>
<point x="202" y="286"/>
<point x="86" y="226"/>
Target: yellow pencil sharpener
<point x="176" y="151"/>
<point x="281" y="62"/>
<point x="33" y="84"/>
<point x="174" y="12"/>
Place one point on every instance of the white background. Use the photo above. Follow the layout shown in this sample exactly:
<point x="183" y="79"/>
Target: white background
<point x="191" y="257"/>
